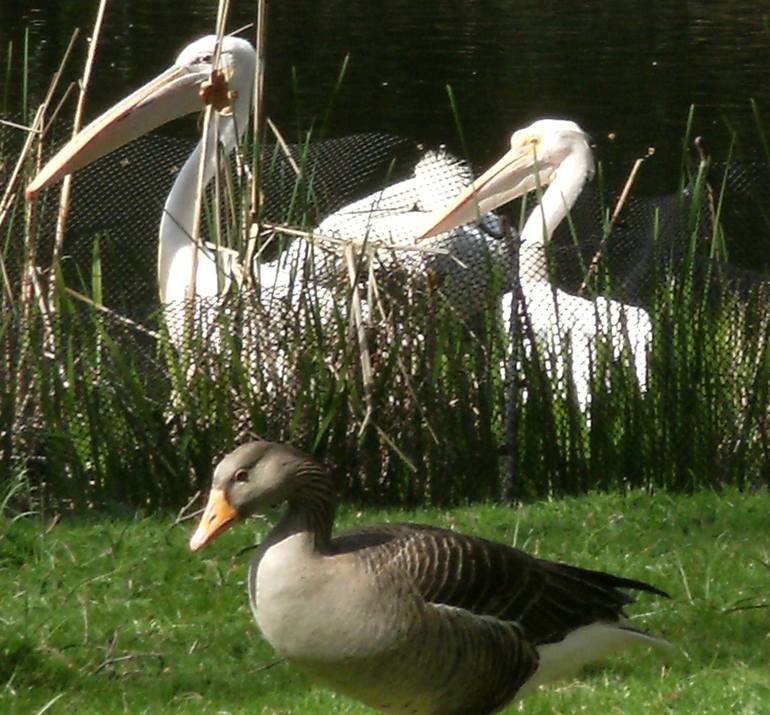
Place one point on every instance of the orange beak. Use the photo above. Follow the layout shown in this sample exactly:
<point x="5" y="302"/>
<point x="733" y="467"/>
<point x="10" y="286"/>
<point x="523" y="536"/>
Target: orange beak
<point x="171" y="94"/>
<point x="515" y="174"/>
<point x="218" y="516"/>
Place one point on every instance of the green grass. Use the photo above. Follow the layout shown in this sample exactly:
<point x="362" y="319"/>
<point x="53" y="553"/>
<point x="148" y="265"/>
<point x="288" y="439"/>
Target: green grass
<point x="104" y="615"/>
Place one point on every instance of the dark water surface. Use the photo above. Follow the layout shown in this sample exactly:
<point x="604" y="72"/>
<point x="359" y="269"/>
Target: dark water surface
<point x="627" y="68"/>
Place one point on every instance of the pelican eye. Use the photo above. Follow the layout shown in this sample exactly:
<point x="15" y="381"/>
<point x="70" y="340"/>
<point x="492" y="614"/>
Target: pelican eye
<point x="241" y="475"/>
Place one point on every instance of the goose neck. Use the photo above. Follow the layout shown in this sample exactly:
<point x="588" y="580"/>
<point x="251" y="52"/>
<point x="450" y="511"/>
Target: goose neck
<point x="311" y="510"/>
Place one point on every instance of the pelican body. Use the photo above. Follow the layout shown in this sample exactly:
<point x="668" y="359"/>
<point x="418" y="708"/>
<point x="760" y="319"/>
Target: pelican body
<point x="463" y="262"/>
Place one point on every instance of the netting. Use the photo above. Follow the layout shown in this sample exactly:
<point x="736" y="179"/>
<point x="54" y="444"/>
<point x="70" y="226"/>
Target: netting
<point x="390" y="363"/>
<point x="119" y="200"/>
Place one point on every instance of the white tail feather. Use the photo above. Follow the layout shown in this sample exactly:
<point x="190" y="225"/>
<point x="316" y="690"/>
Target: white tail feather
<point x="583" y="645"/>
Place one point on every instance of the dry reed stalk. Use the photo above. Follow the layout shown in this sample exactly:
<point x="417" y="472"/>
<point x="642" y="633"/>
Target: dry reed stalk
<point x="45" y="311"/>
<point x="29" y="257"/>
<point x="259" y="85"/>
<point x="28" y="270"/>
<point x="357" y="325"/>
<point x="6" y="281"/>
<point x="113" y="314"/>
<point x="34" y="131"/>
<point x="375" y="300"/>
<point x="284" y="147"/>
<point x="66" y="189"/>
<point x="195" y="235"/>
<point x="217" y="203"/>
<point x="16" y="125"/>
<point x="230" y="190"/>
<point x="5" y="207"/>
<point x="592" y="267"/>
<point x="189" y="319"/>
<point x="385" y="437"/>
<point x="252" y="219"/>
<point x="335" y="242"/>
<point x="60" y="104"/>
<point x="511" y="383"/>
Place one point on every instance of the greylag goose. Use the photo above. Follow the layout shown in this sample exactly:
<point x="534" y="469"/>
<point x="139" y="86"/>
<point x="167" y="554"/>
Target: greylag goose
<point x="409" y="618"/>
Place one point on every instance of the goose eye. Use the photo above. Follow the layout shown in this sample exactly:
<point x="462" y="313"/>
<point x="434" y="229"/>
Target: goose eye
<point x="206" y="59"/>
<point x="241" y="475"/>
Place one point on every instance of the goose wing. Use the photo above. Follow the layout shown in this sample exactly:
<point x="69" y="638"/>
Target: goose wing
<point x="454" y="659"/>
<point x="546" y="599"/>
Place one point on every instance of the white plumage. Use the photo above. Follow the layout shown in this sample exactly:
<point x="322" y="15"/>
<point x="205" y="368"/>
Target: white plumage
<point x="556" y="154"/>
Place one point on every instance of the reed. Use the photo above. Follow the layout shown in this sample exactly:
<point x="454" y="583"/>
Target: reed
<point x="408" y="403"/>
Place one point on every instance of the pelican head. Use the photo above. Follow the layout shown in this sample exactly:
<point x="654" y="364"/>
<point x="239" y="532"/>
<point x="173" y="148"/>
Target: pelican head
<point x="536" y="155"/>
<point x="172" y="94"/>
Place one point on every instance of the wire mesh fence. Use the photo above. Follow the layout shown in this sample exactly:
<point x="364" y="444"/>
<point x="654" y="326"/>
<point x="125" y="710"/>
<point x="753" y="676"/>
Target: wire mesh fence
<point x="395" y="366"/>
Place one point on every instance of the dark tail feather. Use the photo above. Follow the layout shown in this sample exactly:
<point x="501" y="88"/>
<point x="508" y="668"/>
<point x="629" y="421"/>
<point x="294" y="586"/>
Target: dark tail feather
<point x="609" y="581"/>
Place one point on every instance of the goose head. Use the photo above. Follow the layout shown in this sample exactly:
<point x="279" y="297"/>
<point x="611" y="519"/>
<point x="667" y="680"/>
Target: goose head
<point x="180" y="90"/>
<point x="537" y="154"/>
<point x="252" y="478"/>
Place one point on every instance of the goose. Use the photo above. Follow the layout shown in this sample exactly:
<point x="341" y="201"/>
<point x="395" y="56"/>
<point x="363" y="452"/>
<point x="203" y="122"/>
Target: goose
<point x="409" y="618"/>
<point x="552" y="153"/>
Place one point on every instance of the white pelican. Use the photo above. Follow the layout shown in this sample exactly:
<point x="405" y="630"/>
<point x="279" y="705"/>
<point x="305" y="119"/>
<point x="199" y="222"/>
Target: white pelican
<point x="387" y="223"/>
<point x="172" y="94"/>
<point x="553" y="153"/>
<point x="393" y="215"/>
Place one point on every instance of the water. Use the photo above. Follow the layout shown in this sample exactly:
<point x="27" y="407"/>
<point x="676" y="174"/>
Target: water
<point x="626" y="69"/>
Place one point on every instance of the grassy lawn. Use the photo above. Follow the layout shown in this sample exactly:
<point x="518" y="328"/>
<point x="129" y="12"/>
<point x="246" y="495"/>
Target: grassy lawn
<point x="108" y="615"/>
